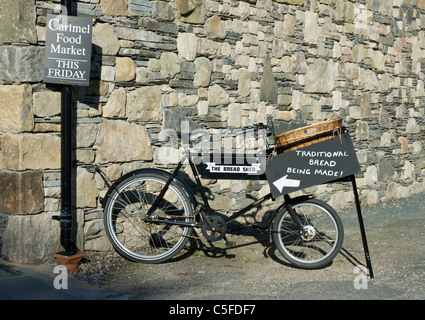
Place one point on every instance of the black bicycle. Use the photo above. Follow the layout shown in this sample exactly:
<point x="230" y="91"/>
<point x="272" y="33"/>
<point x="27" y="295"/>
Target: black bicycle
<point x="149" y="214"/>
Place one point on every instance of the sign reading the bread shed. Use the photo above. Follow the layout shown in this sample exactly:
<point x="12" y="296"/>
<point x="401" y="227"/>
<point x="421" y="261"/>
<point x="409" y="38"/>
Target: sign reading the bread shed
<point x="68" y="50"/>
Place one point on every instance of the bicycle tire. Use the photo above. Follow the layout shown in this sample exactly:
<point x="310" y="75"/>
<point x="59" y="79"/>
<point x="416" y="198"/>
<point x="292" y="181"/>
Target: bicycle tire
<point x="319" y="242"/>
<point x="137" y="239"/>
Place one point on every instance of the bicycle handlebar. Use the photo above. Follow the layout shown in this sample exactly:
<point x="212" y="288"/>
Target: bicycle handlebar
<point x="269" y="129"/>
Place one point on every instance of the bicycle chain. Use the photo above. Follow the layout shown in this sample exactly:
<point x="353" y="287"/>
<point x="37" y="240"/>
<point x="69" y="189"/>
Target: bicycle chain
<point x="221" y="236"/>
<point x="186" y="235"/>
<point x="216" y="224"/>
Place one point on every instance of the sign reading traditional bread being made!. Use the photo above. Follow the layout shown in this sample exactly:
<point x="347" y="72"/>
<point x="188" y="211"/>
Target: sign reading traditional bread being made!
<point x="315" y="164"/>
<point x="68" y="50"/>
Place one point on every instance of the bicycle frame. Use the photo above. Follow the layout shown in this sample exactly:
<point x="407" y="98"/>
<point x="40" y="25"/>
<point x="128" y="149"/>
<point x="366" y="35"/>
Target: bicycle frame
<point x="288" y="201"/>
<point x="206" y="213"/>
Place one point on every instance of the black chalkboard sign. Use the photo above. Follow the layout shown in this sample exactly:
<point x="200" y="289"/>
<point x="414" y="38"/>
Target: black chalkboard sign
<point x="315" y="164"/>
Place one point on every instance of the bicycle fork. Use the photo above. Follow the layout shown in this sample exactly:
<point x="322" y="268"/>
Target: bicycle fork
<point x="294" y="215"/>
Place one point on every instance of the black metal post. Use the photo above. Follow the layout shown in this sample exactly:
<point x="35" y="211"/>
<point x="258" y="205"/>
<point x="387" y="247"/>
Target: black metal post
<point x="66" y="171"/>
<point x="362" y="229"/>
<point x="66" y="217"/>
<point x="68" y="5"/>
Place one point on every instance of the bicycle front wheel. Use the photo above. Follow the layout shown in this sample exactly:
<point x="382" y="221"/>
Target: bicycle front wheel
<point x="133" y="235"/>
<point x="319" y="240"/>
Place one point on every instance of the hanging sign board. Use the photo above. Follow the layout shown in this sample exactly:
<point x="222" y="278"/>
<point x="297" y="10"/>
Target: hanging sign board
<point x="68" y="50"/>
<point x="231" y="166"/>
<point x="315" y="164"/>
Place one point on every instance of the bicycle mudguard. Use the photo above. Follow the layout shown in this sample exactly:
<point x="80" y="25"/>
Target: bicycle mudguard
<point x="166" y="174"/>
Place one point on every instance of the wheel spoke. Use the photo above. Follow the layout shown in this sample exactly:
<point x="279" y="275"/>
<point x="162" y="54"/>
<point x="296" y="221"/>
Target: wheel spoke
<point x="319" y="240"/>
<point x="138" y="238"/>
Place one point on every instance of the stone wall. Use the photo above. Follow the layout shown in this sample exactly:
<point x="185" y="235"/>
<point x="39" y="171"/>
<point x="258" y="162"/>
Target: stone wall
<point x="219" y="65"/>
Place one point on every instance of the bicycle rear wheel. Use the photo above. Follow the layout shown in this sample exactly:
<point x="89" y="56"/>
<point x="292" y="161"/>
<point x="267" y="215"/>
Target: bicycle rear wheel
<point x="135" y="237"/>
<point x="320" y="239"/>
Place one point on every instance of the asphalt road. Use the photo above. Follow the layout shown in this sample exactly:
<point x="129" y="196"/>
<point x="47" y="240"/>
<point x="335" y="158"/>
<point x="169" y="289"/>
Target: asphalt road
<point x="254" y="270"/>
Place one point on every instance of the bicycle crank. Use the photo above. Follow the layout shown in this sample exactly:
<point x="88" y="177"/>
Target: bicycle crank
<point x="214" y="228"/>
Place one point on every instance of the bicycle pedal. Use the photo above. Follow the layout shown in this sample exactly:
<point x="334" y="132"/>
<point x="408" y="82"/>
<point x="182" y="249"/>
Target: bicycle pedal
<point x="229" y="244"/>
